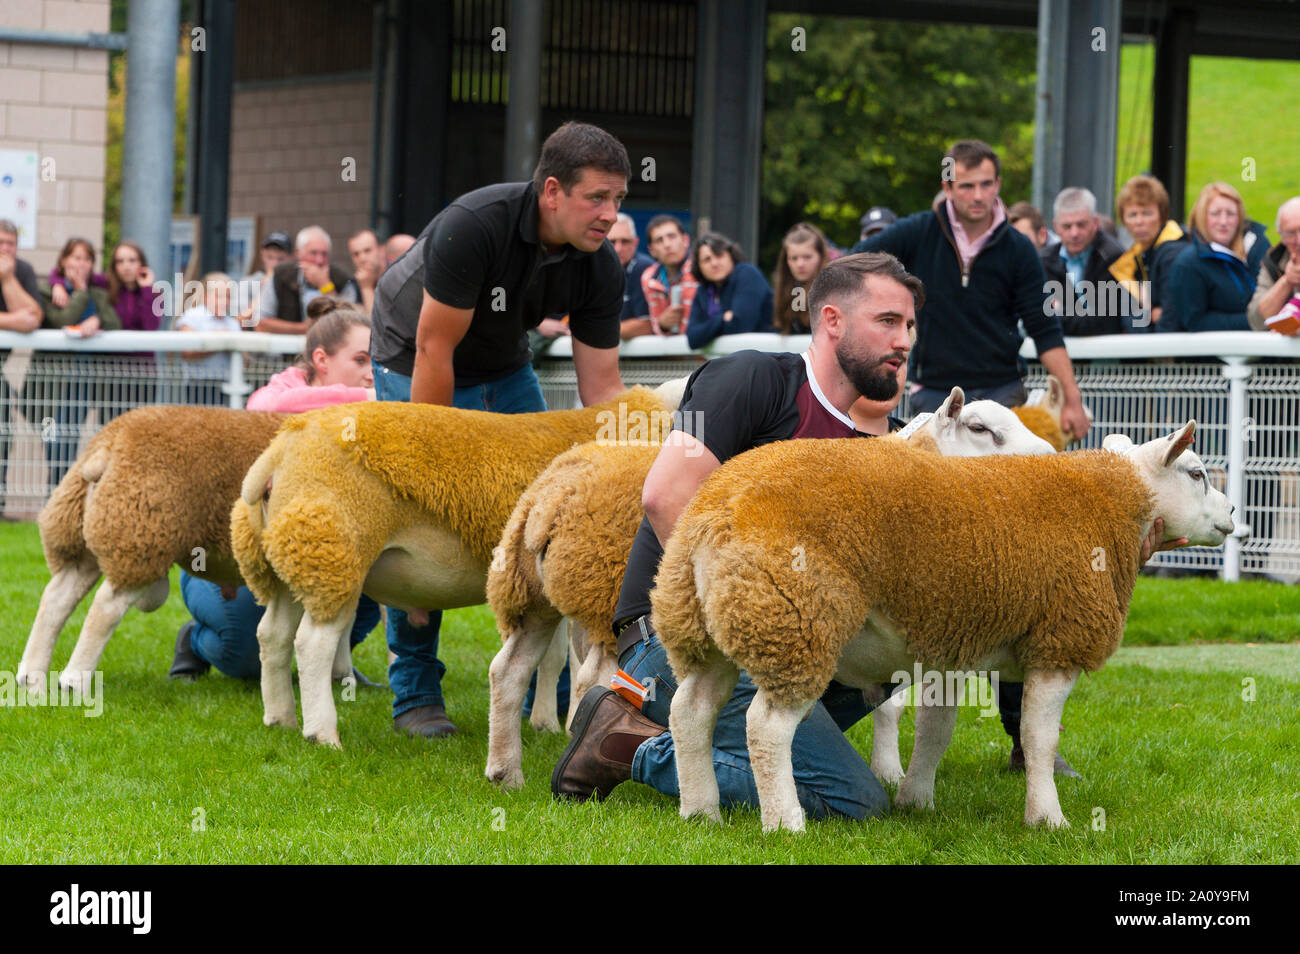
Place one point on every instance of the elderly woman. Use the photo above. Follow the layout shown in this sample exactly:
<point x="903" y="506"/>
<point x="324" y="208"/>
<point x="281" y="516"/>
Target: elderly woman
<point x="1211" y="281"/>
<point x="1143" y="208"/>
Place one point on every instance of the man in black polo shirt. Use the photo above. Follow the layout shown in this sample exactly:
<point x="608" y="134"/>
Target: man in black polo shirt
<point x="451" y="318"/>
<point x="863" y="310"/>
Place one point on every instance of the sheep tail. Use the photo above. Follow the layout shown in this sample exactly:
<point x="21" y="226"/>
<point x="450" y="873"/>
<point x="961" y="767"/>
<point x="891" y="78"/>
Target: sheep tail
<point x="677" y="613"/>
<point x="248" y="520"/>
<point x="62" y="519"/>
<point x="513" y="583"/>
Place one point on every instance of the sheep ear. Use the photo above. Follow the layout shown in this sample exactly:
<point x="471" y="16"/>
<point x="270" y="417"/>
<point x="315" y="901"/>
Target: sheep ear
<point x="1179" y="441"/>
<point x="951" y="407"/>
<point x="1055" y="395"/>
<point x="1119" y="443"/>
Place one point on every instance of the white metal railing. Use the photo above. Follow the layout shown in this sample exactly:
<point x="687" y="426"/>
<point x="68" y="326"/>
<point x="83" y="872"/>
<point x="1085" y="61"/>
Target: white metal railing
<point x="1245" y="397"/>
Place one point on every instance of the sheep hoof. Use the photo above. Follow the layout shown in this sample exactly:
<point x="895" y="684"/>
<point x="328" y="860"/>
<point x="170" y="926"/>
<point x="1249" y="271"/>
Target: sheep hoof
<point x="33" y="682"/>
<point x="288" y="722"/>
<point x="1053" y="819"/>
<point x="322" y="737"/>
<point x="791" y="821"/>
<point x="544" y="723"/>
<point x="507" y="779"/>
<point x="710" y="813"/>
<point x="912" y="797"/>
<point x="890" y="773"/>
<point x="76" y="681"/>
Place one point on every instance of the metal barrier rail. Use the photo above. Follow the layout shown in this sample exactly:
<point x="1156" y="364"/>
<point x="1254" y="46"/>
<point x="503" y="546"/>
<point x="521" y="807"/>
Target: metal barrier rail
<point x="56" y="391"/>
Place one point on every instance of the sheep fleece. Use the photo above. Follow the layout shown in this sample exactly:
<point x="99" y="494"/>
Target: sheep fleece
<point x="963" y="555"/>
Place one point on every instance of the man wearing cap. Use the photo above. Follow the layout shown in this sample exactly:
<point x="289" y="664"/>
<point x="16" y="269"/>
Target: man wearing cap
<point x="276" y="250"/>
<point x="293" y="285"/>
<point x="877" y="219"/>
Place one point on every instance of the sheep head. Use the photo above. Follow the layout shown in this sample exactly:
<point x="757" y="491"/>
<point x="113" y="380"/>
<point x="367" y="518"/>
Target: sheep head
<point x="1180" y="487"/>
<point x="980" y="428"/>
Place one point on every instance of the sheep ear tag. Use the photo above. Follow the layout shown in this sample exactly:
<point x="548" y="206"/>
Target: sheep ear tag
<point x="1179" y="442"/>
<point x="914" y="425"/>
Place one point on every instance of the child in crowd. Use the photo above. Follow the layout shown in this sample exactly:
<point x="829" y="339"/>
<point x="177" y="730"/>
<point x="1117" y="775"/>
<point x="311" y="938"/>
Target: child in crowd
<point x="207" y="309"/>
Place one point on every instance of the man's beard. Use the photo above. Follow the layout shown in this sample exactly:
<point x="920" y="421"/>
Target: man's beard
<point x="871" y="377"/>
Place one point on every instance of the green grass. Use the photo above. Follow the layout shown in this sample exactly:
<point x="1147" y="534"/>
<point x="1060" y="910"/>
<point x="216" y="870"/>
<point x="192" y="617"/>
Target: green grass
<point x="1182" y="767"/>
<point x="1235" y="112"/>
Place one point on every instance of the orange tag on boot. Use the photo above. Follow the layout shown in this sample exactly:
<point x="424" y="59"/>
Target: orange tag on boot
<point x="631" y="690"/>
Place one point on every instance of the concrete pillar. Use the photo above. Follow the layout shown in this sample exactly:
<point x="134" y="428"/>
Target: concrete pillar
<point x="148" y="136"/>
<point x="524" y="106"/>
<point x="1077" y="112"/>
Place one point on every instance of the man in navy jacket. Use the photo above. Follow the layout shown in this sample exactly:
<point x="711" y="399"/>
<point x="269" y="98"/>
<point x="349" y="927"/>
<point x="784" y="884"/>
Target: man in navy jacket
<point x="982" y="278"/>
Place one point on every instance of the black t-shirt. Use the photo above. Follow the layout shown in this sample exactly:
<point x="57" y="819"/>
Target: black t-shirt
<point x="733" y="404"/>
<point x="26" y="276"/>
<point x="483" y="252"/>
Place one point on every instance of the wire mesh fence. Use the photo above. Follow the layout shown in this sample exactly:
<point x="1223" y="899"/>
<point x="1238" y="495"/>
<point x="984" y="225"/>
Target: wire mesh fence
<point x="53" y="401"/>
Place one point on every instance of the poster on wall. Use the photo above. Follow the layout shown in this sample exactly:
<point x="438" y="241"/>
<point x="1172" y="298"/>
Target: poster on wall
<point x="18" y="186"/>
<point x="241" y="245"/>
<point x="184" y="245"/>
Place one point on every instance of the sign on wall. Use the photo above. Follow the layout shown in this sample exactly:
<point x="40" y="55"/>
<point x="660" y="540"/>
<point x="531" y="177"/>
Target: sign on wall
<point x="18" y="185"/>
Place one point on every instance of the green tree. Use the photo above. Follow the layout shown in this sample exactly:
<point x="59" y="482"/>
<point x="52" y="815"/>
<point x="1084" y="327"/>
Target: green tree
<point x="862" y="115"/>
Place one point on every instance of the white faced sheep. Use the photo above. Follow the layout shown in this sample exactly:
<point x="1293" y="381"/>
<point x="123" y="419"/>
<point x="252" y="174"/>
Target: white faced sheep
<point x="403" y="502"/>
<point x="153" y="488"/>
<point x="566" y="546"/>
<point x="974" y="563"/>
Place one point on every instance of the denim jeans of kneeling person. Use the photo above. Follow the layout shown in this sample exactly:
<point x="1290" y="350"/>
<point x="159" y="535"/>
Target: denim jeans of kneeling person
<point x="416" y="673"/>
<point x="831" y="778"/>
<point x="225" y="631"/>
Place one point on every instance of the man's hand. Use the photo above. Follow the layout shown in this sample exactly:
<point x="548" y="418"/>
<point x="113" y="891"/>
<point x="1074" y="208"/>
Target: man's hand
<point x="671" y="320"/>
<point x="7" y="264"/>
<point x="1292" y="274"/>
<point x="1074" y="419"/>
<point x="365" y="276"/>
<point x="145" y="277"/>
<point x="317" y="276"/>
<point x="552" y="328"/>
<point x="21" y="320"/>
<point x="1154" y="541"/>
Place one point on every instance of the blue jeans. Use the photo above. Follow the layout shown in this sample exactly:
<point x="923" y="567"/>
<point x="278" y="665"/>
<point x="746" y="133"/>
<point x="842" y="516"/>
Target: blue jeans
<point x="829" y="774"/>
<point x="416" y="674"/>
<point x="225" y="631"/>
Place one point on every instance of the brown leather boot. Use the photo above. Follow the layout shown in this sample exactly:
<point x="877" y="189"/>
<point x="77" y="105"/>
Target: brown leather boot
<point x="428" y="721"/>
<point x="607" y="730"/>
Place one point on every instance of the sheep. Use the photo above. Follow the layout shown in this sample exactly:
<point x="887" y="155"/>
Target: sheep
<point x="566" y="545"/>
<point x="153" y="488"/>
<point x="404" y="502"/>
<point x="1026" y="563"/>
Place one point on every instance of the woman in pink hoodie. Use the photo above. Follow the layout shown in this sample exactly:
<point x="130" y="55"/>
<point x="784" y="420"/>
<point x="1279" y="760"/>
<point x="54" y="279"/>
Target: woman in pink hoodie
<point x="334" y="368"/>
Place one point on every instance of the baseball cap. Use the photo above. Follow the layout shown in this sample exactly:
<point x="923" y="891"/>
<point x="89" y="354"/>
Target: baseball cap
<point x="877" y="219"/>
<point x="278" y="240"/>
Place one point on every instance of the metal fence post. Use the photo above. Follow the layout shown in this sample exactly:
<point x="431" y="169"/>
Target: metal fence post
<point x="1236" y="370"/>
<point x="237" y="385"/>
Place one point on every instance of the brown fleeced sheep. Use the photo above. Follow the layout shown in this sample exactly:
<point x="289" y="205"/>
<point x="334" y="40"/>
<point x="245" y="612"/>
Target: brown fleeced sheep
<point x="565" y="549"/>
<point x="1026" y="563"/>
<point x="153" y="488"/>
<point x="404" y="502"/>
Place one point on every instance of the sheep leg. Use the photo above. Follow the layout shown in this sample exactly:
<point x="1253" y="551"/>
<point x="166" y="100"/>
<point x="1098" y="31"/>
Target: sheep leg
<point x="934" y="724"/>
<point x="316" y="646"/>
<point x="545" y="716"/>
<point x="597" y="669"/>
<point x="769" y="730"/>
<point x="692" y="718"/>
<point x="106" y="611"/>
<point x="523" y="649"/>
<point x="275" y="649"/>
<point x="66" y="589"/>
<point x="342" y="666"/>
<point x="1040" y="727"/>
<point x="886" y="763"/>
